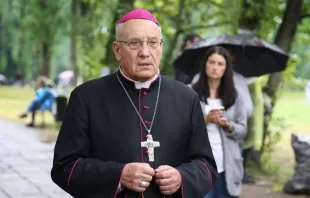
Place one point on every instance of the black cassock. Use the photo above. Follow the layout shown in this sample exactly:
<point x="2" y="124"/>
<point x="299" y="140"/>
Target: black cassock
<point x="102" y="132"/>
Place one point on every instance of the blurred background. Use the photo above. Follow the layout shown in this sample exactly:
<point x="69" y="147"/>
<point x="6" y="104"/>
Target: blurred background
<point x="70" y="41"/>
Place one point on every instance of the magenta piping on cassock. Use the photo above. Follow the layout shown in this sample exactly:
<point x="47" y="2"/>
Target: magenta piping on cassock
<point x="140" y="121"/>
<point x="72" y="169"/>
<point x="204" y="164"/>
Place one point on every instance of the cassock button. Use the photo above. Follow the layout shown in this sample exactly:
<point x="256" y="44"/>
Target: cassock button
<point x="146" y="152"/>
<point x="147" y="122"/>
<point x="145" y="93"/>
<point x="146" y="107"/>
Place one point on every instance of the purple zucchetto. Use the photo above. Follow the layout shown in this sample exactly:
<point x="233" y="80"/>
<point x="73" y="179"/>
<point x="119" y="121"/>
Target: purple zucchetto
<point x="138" y="14"/>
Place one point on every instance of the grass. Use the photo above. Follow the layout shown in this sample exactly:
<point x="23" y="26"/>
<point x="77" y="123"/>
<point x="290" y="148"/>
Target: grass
<point x="293" y="108"/>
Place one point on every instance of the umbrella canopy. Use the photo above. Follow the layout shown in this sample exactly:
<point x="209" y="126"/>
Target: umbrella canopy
<point x="66" y="74"/>
<point x="2" y="78"/>
<point x="253" y="56"/>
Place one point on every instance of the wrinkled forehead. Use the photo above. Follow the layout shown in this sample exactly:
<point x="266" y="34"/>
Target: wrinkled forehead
<point x="140" y="28"/>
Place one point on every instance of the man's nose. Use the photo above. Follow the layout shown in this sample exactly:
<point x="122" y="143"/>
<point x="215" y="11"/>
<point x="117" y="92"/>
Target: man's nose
<point x="144" y="50"/>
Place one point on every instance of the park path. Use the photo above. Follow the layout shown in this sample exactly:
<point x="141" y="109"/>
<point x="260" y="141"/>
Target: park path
<point x="25" y="164"/>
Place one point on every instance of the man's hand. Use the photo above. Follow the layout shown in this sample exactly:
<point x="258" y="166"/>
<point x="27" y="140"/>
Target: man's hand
<point x="168" y="179"/>
<point x="137" y="176"/>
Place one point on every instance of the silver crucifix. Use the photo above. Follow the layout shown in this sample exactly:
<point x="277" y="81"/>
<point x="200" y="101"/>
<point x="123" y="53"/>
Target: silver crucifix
<point x="150" y="145"/>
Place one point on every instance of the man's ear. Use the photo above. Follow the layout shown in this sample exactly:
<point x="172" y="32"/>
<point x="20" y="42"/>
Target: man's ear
<point x="116" y="50"/>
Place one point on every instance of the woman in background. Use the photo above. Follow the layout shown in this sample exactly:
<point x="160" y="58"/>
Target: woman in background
<point x="44" y="99"/>
<point x="225" y="118"/>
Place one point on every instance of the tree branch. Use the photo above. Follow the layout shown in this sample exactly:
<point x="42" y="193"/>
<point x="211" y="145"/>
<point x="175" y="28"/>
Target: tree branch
<point x="216" y="4"/>
<point x="206" y="26"/>
<point x="306" y="15"/>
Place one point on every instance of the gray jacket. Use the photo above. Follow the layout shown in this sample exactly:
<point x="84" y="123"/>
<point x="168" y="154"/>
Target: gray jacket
<point x="233" y="160"/>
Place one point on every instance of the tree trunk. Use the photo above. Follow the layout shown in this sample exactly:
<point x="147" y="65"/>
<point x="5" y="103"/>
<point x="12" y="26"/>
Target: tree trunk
<point x="38" y="61"/>
<point x="73" y="42"/>
<point x="1" y="48"/>
<point x="123" y="7"/>
<point x="45" y="49"/>
<point x="21" y="62"/>
<point x="167" y="68"/>
<point x="11" y="66"/>
<point x="46" y="59"/>
<point x="284" y="39"/>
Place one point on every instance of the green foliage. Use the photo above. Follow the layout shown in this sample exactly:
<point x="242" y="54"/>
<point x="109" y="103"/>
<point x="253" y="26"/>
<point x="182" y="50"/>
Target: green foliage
<point x="288" y="74"/>
<point x="43" y="22"/>
<point x="275" y="131"/>
<point x="271" y="16"/>
<point x="28" y="20"/>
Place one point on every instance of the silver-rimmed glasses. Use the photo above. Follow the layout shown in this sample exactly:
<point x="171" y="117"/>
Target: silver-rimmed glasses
<point x="136" y="43"/>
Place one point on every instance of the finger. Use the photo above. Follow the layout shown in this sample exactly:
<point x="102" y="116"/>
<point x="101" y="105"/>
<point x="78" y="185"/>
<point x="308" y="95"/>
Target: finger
<point x="213" y="117"/>
<point x="161" y="175"/>
<point x="219" y="121"/>
<point x="141" y="184"/>
<point x="168" y="192"/>
<point x="164" y="174"/>
<point x="215" y="111"/>
<point x="162" y="168"/>
<point x="216" y="121"/>
<point x="166" y="188"/>
<point x="135" y="186"/>
<point x="146" y="169"/>
<point x="146" y="178"/>
<point x="163" y="182"/>
<point x="224" y="119"/>
<point x="138" y="189"/>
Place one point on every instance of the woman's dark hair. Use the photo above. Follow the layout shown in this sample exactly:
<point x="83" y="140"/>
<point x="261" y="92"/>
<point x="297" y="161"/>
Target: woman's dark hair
<point x="226" y="91"/>
<point x="190" y="37"/>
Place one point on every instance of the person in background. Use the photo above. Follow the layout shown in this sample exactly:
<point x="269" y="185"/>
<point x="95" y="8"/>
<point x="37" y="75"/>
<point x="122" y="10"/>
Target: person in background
<point x="44" y="99"/>
<point x="225" y="118"/>
<point x="180" y="75"/>
<point x="242" y="86"/>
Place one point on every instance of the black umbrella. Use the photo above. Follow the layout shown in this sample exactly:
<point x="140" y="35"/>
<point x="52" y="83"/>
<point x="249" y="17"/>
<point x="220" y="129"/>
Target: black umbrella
<point x="254" y="56"/>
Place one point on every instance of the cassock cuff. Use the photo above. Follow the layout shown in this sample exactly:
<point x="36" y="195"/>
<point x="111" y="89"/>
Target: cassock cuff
<point x="179" y="192"/>
<point x="120" y="187"/>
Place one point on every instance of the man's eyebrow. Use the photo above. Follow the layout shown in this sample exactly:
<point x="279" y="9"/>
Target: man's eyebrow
<point x="133" y="38"/>
<point x="137" y="38"/>
<point x="152" y="37"/>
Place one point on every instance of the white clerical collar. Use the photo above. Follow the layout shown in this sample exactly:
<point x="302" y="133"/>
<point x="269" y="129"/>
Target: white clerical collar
<point x="140" y="85"/>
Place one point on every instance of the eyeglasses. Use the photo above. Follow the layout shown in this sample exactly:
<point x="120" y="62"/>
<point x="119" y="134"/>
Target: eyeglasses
<point x="136" y="43"/>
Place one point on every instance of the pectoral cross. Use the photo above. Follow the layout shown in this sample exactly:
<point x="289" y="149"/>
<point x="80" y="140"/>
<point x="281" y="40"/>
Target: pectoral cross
<point x="150" y="145"/>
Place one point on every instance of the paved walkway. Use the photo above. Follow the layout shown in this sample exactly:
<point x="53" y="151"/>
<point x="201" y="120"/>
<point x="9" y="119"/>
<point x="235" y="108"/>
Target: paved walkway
<point x="25" y="164"/>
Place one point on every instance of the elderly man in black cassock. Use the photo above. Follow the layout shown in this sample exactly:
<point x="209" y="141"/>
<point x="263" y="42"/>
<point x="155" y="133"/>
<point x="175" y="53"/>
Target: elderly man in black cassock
<point x="134" y="133"/>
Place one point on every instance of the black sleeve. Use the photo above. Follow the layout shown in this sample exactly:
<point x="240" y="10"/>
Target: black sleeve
<point x="200" y="173"/>
<point x="74" y="170"/>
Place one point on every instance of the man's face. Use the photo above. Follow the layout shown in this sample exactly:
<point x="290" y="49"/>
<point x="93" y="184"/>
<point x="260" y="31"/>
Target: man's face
<point x="139" y="62"/>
